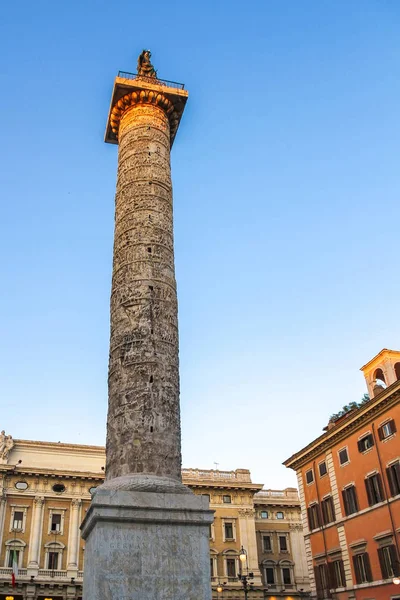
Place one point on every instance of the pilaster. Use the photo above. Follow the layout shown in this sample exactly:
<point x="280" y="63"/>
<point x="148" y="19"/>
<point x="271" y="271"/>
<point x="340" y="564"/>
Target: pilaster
<point x="247" y="532"/>
<point x="73" y="538"/>
<point x="36" y="536"/>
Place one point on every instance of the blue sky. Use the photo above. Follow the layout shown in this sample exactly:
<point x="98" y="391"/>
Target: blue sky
<point x="286" y="195"/>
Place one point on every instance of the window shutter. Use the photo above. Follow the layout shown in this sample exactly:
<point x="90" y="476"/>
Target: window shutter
<point x="310" y="518"/>
<point x="380" y="486"/>
<point x="343" y="574"/>
<point x="369" y="492"/>
<point x="367" y="566"/>
<point x="393" y="426"/>
<point x="332" y="508"/>
<point x="360" y="446"/>
<point x="382" y="563"/>
<point x="356" y="569"/>
<point x="318" y="515"/>
<point x="390" y="478"/>
<point x="380" y="433"/>
<point x="394" y="559"/>
<point x="324" y="512"/>
<point x="318" y="583"/>
<point x="332" y="583"/>
<point x="346" y="504"/>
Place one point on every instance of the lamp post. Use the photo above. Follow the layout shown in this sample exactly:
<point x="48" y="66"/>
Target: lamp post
<point x="245" y="577"/>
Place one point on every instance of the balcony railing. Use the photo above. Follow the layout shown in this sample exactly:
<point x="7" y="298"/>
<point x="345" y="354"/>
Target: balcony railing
<point x="8" y="571"/>
<point x="52" y="573"/>
<point x="238" y="475"/>
<point x="153" y="80"/>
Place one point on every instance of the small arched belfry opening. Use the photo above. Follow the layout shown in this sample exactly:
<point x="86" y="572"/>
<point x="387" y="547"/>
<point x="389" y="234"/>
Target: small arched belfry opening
<point x="397" y="370"/>
<point x="382" y="371"/>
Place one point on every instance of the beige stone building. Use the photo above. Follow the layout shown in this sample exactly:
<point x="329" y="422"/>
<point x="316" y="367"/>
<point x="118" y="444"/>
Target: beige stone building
<point x="45" y="490"/>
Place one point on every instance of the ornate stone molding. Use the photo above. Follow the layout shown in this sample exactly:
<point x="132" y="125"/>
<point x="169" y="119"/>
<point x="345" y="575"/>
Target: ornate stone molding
<point x="143" y="97"/>
<point x="39" y="501"/>
<point x="246" y="512"/>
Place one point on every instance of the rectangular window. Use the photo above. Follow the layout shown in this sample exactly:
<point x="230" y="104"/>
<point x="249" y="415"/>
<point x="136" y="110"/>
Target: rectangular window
<point x="387" y="430"/>
<point x="228" y="531"/>
<point x="314" y="520"/>
<point x="267" y="543"/>
<point x="343" y="456"/>
<point x="339" y="578"/>
<point x="210" y="532"/>
<point x="309" y="476"/>
<point x="388" y="560"/>
<point x="283" y="543"/>
<point x="55" y="522"/>
<point x="374" y="489"/>
<point x="18" y="520"/>
<point x="365" y="443"/>
<point x="270" y="576"/>
<point x="52" y="560"/>
<point x="328" y="511"/>
<point x="227" y="499"/>
<point x="264" y="514"/>
<point x="280" y="515"/>
<point x="212" y="567"/>
<point x="393" y="475"/>
<point x="286" y="576"/>
<point x="231" y="567"/>
<point x="350" y="500"/>
<point x="322" y="469"/>
<point x="11" y="557"/>
<point x="362" y="568"/>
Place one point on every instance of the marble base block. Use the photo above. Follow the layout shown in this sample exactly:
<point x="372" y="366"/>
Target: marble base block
<point x="147" y="538"/>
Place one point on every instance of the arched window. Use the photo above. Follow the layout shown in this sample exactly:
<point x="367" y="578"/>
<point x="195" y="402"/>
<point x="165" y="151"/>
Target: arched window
<point x="213" y="564"/>
<point x="54" y="554"/>
<point x="231" y="564"/>
<point x="269" y="572"/>
<point x="286" y="567"/>
<point x="379" y="378"/>
<point x="17" y="546"/>
<point x="397" y="370"/>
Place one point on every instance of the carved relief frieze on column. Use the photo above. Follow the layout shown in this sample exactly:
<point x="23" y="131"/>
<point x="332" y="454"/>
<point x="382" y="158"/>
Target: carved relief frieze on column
<point x="36" y="529"/>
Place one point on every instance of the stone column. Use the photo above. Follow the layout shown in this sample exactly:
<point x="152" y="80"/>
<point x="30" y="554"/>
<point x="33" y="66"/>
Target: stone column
<point x="74" y="535"/>
<point x="147" y="535"/>
<point x="34" y="542"/>
<point x="143" y="426"/>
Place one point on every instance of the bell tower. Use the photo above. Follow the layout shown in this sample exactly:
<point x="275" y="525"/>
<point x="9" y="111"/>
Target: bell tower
<point x="381" y="371"/>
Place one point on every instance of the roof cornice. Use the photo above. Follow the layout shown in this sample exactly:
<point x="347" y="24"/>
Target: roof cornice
<point x="372" y="409"/>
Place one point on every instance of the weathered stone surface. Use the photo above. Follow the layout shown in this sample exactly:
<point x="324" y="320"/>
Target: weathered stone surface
<point x="143" y="428"/>
<point x="156" y="542"/>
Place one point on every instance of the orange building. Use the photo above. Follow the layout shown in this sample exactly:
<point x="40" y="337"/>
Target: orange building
<point x="349" y="484"/>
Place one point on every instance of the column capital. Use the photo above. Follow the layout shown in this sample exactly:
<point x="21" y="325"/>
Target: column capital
<point x="131" y="91"/>
<point x="38" y="501"/>
<point x="76" y="503"/>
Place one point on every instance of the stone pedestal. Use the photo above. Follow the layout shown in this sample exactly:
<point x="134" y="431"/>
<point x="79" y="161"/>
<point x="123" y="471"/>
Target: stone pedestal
<point x="147" y="538"/>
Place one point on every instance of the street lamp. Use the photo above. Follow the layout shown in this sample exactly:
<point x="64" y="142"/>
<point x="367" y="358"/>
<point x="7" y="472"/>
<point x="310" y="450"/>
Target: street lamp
<point x="396" y="580"/>
<point x="245" y="578"/>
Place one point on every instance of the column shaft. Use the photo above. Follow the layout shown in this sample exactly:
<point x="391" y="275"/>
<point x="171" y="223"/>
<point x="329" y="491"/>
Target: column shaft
<point x="74" y="535"/>
<point x="143" y="427"/>
<point x="33" y="555"/>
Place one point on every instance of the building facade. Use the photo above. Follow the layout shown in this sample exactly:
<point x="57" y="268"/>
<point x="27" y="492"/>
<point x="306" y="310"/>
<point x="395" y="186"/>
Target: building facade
<point x="45" y="491"/>
<point x="349" y="482"/>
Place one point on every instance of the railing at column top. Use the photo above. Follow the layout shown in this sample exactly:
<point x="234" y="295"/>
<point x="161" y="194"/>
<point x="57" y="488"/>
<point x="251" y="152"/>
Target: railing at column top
<point x="153" y="80"/>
